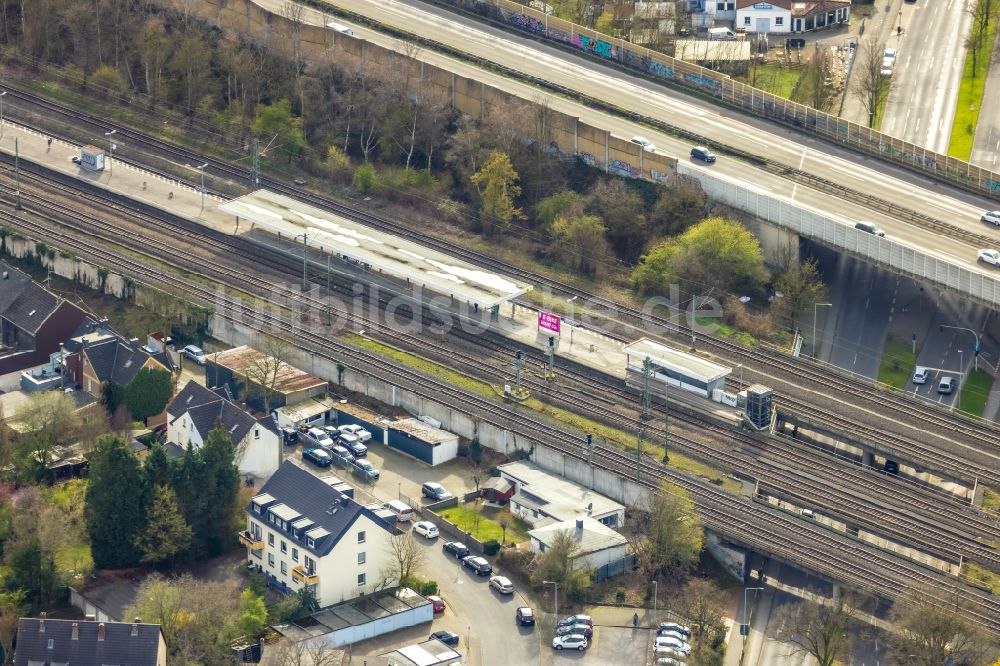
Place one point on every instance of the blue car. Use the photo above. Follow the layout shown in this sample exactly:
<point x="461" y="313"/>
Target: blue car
<point x="317" y="457"/>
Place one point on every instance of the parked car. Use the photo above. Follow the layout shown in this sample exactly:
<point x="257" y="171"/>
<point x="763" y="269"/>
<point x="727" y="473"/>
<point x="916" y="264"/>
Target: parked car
<point x="946" y="385"/>
<point x="991" y="257"/>
<point x="435" y="491"/>
<point x="666" y="627"/>
<point x="646" y="144"/>
<point x="318" y="437"/>
<point x="356" y="430"/>
<point x="353" y="443"/>
<point x="426" y="528"/>
<point x="920" y="375"/>
<point x="446" y="637"/>
<point x="502" y="584"/>
<point x="671" y="643"/>
<point x="477" y="564"/>
<point x="570" y="642"/>
<point x="194" y="353"/>
<point x="869" y="228"/>
<point x="704" y="154"/>
<point x="576" y="619"/>
<point x="75" y="159"/>
<point x="317" y="457"/>
<point x="582" y="629"/>
<point x="289" y="436"/>
<point x="669" y="661"/>
<point x="366" y="470"/>
<point x="341" y="453"/>
<point x="437" y="602"/>
<point x="795" y="43"/>
<point x="525" y="617"/>
<point x="456" y="548"/>
<point x="993" y="217"/>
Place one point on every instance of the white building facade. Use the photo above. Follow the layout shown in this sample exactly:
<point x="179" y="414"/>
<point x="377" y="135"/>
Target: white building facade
<point x="764" y="17"/>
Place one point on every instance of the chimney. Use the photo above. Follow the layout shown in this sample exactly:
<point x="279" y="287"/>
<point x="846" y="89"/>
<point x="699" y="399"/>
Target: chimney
<point x="579" y="524"/>
<point x="101" y="631"/>
<point x="41" y="623"/>
<point x="75" y="635"/>
<point x="89" y="617"/>
<point x="135" y="627"/>
<point x="344" y="500"/>
<point x="6" y="275"/>
<point x="133" y="343"/>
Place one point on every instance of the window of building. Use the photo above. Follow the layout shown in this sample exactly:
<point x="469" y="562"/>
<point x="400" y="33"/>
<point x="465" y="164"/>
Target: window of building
<point x="720" y="6"/>
<point x="779" y="20"/>
<point x="310" y="542"/>
<point x="270" y="559"/>
<point x="270" y="539"/>
<point x="746" y="20"/>
<point x="256" y="507"/>
<point x="256" y="433"/>
<point x="309" y="562"/>
<point x="361" y="536"/>
<point x="284" y="567"/>
<point x="361" y="580"/>
<point x="361" y="557"/>
<point x="295" y="554"/>
<point x="284" y="547"/>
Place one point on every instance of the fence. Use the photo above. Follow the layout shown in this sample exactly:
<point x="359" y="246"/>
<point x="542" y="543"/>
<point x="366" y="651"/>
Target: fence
<point x="876" y="249"/>
<point x="736" y="94"/>
<point x="451" y="530"/>
<point x="627" y="563"/>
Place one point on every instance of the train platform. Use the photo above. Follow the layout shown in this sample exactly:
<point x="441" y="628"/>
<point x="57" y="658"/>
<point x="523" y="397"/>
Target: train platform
<point x="521" y="323"/>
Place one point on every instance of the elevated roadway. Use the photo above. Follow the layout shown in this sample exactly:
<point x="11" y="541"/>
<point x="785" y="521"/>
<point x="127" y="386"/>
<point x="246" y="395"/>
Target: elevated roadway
<point x="720" y="126"/>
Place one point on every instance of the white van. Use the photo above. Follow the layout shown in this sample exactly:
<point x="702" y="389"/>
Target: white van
<point x="402" y="511"/>
<point x="721" y="34"/>
<point x="341" y="28"/>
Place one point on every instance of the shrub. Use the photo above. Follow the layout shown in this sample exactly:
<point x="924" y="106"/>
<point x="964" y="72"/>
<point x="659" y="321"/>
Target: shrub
<point x="427" y="587"/>
<point x="109" y="82"/>
<point x="620" y="595"/>
<point x="365" y="178"/>
<point x="491" y="547"/>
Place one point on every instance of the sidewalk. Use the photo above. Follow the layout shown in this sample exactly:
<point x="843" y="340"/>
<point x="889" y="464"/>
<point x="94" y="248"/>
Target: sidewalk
<point x="881" y="26"/>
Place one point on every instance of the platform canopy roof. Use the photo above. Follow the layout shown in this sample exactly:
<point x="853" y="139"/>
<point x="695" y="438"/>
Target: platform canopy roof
<point x="681" y="362"/>
<point x="380" y="250"/>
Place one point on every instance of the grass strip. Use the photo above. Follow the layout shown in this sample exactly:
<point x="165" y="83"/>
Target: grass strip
<point x="975" y="392"/>
<point x="970" y="98"/>
<point x="898" y="363"/>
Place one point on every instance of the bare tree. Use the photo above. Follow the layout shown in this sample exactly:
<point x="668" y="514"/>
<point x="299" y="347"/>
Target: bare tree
<point x="406" y="557"/>
<point x="820" y="629"/>
<point x="704" y="605"/>
<point x="983" y="12"/>
<point x="870" y="86"/>
<point x="265" y="369"/>
<point x="813" y="88"/>
<point x="291" y="653"/>
<point x="931" y="631"/>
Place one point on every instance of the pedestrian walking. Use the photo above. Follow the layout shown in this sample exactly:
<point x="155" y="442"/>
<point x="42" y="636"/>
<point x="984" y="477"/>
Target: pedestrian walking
<point x="635" y="619"/>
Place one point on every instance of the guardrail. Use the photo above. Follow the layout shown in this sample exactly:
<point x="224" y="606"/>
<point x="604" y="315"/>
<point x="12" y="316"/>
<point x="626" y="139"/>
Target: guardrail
<point x="740" y="95"/>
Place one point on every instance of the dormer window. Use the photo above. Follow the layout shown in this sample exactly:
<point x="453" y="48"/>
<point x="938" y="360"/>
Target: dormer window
<point x="256" y="507"/>
<point x="311" y="542"/>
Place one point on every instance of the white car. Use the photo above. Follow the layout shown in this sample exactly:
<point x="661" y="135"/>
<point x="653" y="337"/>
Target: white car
<point x="991" y="257"/>
<point x="920" y="375"/>
<point x="320" y="438"/>
<point x="570" y="641"/>
<point x="993" y="217"/>
<point x="889" y="54"/>
<point x="671" y="644"/>
<point x="356" y="430"/>
<point x="194" y="353"/>
<point x="426" y="528"/>
<point x="646" y="144"/>
<point x="502" y="585"/>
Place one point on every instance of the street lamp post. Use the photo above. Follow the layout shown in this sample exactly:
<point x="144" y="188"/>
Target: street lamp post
<point x="305" y="257"/>
<point x="745" y="626"/>
<point x="816" y="306"/>
<point x="655" y="589"/>
<point x="202" y="170"/>
<point x="1" y="112"/>
<point x="740" y="368"/>
<point x="974" y="334"/>
<point x="555" y="596"/>
<point x="961" y="373"/>
<point x="572" y="326"/>
<point x="111" y="152"/>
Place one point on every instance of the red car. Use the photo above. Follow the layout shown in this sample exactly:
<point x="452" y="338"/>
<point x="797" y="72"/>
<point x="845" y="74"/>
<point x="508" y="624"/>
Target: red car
<point x="437" y="602"/>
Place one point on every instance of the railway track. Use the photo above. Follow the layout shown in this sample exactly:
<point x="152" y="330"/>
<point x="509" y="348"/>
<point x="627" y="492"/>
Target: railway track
<point x="801" y="369"/>
<point x="756" y="526"/>
<point x="941" y="538"/>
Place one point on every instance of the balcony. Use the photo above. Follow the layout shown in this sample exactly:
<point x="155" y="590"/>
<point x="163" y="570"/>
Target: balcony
<point x="250" y="541"/>
<point x="300" y="574"/>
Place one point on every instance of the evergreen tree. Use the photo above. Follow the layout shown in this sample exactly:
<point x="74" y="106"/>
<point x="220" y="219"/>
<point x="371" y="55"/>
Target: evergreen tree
<point x="190" y="486"/>
<point x="166" y="534"/>
<point x="157" y="467"/>
<point x="115" y="508"/>
<point x="253" y="614"/>
<point x="33" y="571"/>
<point x="221" y="491"/>
<point x="148" y="393"/>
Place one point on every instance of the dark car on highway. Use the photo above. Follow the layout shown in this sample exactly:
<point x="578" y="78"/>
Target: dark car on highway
<point x="477" y="564"/>
<point x="446" y="637"/>
<point x="456" y="548"/>
<point x="702" y="153"/>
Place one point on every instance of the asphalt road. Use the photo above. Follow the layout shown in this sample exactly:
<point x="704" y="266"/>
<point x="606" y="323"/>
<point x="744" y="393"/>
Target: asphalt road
<point x="757" y="136"/>
<point x="928" y="71"/>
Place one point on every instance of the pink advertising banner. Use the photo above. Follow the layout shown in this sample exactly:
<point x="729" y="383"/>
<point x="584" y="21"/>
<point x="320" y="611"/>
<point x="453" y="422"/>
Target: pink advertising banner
<point x="548" y="322"/>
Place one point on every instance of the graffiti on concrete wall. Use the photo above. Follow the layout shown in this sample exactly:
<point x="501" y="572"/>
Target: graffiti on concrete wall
<point x="621" y="168"/>
<point x="526" y="22"/>
<point x="994" y="185"/>
<point x="598" y="46"/>
<point x="559" y="35"/>
<point x="702" y="81"/>
<point x="659" y="176"/>
<point x="588" y="159"/>
<point x="661" y="70"/>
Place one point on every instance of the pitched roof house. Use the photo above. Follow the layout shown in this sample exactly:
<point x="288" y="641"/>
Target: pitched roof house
<point x="44" y="642"/>
<point x="196" y="410"/>
<point x="99" y="355"/>
<point x="33" y="321"/>
<point x="301" y="532"/>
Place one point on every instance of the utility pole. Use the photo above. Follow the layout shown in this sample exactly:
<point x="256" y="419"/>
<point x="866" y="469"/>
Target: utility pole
<point x="590" y="450"/>
<point x="647" y="372"/>
<point x="255" y="163"/>
<point x="638" y="452"/>
<point x="17" y="176"/>
<point x="666" y="423"/>
<point x="305" y="261"/>
<point x="518" y="361"/>
<point x="551" y="374"/>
